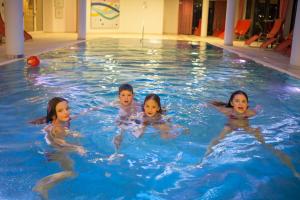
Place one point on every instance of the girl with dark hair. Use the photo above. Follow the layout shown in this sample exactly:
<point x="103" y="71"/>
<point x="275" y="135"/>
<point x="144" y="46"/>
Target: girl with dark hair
<point x="58" y="115"/>
<point x="58" y="119"/>
<point x="237" y="106"/>
<point x="238" y="113"/>
<point x="152" y="115"/>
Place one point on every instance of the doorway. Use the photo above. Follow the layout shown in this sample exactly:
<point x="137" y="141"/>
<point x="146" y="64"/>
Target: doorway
<point x="185" y="17"/>
<point x="33" y="15"/>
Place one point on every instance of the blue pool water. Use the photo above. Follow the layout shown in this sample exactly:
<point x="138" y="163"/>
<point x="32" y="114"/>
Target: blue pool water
<point x="186" y="75"/>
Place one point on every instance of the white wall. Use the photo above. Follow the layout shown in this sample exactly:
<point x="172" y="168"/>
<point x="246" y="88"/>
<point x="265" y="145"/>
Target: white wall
<point x="53" y="23"/>
<point x="132" y="16"/>
<point x="71" y="16"/>
<point x="171" y="10"/>
<point x="48" y="16"/>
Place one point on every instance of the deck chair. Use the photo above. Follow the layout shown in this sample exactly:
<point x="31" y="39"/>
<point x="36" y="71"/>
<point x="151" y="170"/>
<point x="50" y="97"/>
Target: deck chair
<point x="241" y="28"/>
<point x="284" y="47"/>
<point x="270" y="37"/>
<point x="27" y="36"/>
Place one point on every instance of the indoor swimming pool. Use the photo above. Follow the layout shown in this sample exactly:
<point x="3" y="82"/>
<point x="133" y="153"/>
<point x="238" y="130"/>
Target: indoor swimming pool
<point x="186" y="76"/>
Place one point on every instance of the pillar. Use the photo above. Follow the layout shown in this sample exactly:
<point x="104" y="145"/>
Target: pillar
<point x="81" y="22"/>
<point x="14" y="28"/>
<point x="229" y="23"/>
<point x="295" y="58"/>
<point x="204" y="19"/>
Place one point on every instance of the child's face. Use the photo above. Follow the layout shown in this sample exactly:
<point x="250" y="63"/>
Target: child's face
<point x="126" y="97"/>
<point x="239" y="103"/>
<point x="62" y="111"/>
<point x="151" y="108"/>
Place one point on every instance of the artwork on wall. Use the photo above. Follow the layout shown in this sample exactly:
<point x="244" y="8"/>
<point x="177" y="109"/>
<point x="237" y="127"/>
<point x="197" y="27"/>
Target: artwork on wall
<point x="105" y="14"/>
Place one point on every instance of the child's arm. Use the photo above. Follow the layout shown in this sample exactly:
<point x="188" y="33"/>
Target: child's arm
<point x="60" y="142"/>
<point x="251" y="113"/>
<point x="41" y="120"/>
<point x="165" y="131"/>
<point x="220" y="106"/>
<point x="139" y="130"/>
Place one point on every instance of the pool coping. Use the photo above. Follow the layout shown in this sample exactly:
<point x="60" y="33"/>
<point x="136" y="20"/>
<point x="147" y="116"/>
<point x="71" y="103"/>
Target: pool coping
<point x="264" y="63"/>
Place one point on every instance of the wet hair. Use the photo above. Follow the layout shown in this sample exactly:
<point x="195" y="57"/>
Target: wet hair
<point x="51" y="109"/>
<point x="125" y="86"/>
<point x="233" y="95"/>
<point x="154" y="97"/>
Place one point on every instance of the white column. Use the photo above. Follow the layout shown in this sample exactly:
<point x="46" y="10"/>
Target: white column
<point x="14" y="28"/>
<point x="81" y="22"/>
<point x="295" y="58"/>
<point x="229" y="23"/>
<point x="204" y="20"/>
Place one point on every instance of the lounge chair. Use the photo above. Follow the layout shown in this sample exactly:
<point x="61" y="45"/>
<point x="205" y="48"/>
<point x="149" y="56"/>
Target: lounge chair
<point x="270" y="37"/>
<point x="284" y="47"/>
<point x="241" y="28"/>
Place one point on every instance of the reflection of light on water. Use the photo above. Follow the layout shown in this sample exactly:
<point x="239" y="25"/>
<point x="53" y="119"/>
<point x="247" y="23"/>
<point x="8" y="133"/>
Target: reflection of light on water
<point x="241" y="61"/>
<point x="194" y="43"/>
<point x="155" y="41"/>
<point x="293" y="89"/>
<point x="152" y="51"/>
<point x="108" y="56"/>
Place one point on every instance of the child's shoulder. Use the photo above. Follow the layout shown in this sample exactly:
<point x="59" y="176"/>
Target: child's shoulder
<point x="48" y="128"/>
<point x="250" y="112"/>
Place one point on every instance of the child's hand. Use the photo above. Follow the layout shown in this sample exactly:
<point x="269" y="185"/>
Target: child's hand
<point x="203" y="105"/>
<point x="168" y="135"/>
<point x="258" y="108"/>
<point x="77" y="135"/>
<point x="81" y="150"/>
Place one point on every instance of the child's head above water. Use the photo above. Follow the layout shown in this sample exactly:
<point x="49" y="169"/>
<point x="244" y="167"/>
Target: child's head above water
<point x="125" y="94"/>
<point x="238" y="101"/>
<point x="151" y="105"/>
<point x="58" y="109"/>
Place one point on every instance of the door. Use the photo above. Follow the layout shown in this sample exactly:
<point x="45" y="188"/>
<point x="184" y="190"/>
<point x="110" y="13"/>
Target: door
<point x="185" y="17"/>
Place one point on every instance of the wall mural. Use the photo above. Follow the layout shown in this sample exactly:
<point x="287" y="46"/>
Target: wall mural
<point x="105" y="14"/>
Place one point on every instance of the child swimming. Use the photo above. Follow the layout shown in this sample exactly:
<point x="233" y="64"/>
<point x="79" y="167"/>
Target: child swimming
<point x="58" y="115"/>
<point x="238" y="113"/>
<point x="128" y="108"/>
<point x="152" y="115"/>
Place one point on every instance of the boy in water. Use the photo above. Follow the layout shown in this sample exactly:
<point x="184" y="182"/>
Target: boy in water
<point x="128" y="108"/>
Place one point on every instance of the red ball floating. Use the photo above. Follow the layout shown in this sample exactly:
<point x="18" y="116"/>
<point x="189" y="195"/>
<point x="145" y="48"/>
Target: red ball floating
<point x="33" y="61"/>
